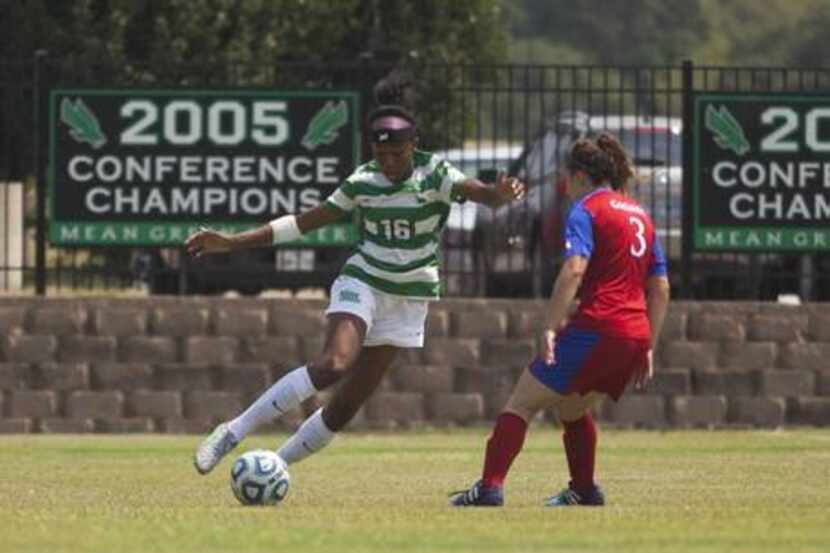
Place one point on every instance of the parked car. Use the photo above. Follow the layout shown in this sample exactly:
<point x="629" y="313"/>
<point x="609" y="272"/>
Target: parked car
<point x="512" y="257"/>
<point x="478" y="161"/>
<point x="519" y="245"/>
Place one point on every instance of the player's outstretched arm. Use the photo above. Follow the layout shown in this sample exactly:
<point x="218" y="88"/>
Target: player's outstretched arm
<point x="506" y="190"/>
<point x="281" y="230"/>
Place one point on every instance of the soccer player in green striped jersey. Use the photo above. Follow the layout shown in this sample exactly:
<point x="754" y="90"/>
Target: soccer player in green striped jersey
<point x="378" y="303"/>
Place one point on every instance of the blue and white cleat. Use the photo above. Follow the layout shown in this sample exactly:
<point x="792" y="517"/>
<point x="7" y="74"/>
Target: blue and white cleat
<point x="569" y="497"/>
<point x="213" y="448"/>
<point x="478" y="496"/>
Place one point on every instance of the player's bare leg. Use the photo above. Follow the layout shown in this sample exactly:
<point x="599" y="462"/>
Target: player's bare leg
<point x="529" y="396"/>
<point x="359" y="385"/>
<point x="319" y="429"/>
<point x="344" y="336"/>
<point x="575" y="406"/>
<point x="344" y="339"/>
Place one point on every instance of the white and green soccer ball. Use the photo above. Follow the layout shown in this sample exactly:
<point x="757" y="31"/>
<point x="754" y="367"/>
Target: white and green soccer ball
<point x="259" y="477"/>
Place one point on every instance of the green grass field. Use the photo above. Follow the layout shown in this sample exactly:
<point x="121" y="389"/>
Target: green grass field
<point x="667" y="492"/>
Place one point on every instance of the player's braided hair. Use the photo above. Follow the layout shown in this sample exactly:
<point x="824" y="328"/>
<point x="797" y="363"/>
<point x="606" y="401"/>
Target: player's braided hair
<point x="603" y="159"/>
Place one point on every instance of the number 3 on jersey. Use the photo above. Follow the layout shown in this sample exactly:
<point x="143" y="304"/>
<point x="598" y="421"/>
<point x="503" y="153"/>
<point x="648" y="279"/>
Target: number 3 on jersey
<point x="640" y="248"/>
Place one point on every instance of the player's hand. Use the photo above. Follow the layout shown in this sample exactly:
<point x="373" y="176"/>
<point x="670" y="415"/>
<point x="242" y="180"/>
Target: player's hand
<point x="546" y="346"/>
<point x="207" y="241"/>
<point x="644" y="375"/>
<point x="509" y="188"/>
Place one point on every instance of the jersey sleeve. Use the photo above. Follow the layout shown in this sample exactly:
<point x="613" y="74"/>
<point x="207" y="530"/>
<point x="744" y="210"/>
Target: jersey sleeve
<point x="658" y="267"/>
<point x="343" y="199"/>
<point x="452" y="178"/>
<point x="579" y="233"/>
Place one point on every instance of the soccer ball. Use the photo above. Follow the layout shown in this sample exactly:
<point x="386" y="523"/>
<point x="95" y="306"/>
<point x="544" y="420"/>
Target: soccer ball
<point x="259" y="477"/>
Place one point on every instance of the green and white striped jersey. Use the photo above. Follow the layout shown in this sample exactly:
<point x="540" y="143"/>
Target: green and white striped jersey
<point x="401" y="225"/>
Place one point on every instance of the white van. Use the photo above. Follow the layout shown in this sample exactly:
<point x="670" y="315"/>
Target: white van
<point x="472" y="160"/>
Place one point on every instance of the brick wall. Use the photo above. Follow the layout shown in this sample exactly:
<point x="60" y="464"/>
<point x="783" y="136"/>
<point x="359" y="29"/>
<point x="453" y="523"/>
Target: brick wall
<point x="181" y="364"/>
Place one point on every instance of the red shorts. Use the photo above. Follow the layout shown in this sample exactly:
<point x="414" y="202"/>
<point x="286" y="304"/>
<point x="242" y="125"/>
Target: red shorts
<point x="587" y="361"/>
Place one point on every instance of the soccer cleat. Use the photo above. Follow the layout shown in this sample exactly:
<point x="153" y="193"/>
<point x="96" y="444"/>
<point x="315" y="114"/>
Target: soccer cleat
<point x="213" y="448"/>
<point x="478" y="496"/>
<point x="571" y="498"/>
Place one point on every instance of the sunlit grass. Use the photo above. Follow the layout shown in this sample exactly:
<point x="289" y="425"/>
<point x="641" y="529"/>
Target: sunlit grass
<point x="667" y="492"/>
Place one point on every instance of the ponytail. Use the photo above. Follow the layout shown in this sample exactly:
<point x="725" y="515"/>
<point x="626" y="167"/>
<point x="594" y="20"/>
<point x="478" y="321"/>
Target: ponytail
<point x="623" y="169"/>
<point x="587" y="157"/>
<point x="396" y="89"/>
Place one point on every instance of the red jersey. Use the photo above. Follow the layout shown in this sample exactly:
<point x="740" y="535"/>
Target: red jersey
<point x="617" y="237"/>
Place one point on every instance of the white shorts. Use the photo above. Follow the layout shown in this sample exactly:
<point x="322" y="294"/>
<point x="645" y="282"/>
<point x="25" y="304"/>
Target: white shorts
<point x="390" y="320"/>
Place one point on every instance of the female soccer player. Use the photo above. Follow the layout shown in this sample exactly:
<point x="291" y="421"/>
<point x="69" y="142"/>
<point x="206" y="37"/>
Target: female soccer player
<point x="379" y="301"/>
<point x="613" y="258"/>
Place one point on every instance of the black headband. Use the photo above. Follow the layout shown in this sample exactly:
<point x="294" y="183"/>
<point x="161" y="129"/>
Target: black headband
<point x="383" y="136"/>
<point x="400" y="128"/>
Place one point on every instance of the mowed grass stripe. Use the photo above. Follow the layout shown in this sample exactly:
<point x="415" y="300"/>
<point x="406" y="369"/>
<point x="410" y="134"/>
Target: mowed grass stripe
<point x="675" y="491"/>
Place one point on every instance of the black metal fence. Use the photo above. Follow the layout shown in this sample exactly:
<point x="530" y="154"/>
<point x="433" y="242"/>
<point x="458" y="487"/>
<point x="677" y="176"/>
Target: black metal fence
<point x="17" y="186"/>
<point x="520" y="119"/>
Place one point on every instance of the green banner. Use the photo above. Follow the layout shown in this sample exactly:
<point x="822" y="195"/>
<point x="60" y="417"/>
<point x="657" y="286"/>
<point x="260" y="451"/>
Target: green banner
<point x="161" y="234"/>
<point x="761" y="172"/>
<point x="146" y="167"/>
<point x="759" y="238"/>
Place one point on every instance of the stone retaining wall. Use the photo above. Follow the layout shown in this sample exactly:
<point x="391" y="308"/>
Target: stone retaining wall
<point x="180" y="364"/>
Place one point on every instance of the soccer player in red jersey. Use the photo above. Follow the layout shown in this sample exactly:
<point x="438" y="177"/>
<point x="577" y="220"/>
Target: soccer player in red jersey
<point x="614" y="261"/>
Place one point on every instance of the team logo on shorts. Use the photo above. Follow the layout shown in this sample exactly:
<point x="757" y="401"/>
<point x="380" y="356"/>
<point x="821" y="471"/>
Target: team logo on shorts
<point x="350" y="296"/>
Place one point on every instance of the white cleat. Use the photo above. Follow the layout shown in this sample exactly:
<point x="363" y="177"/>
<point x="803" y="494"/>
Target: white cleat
<point x="213" y="448"/>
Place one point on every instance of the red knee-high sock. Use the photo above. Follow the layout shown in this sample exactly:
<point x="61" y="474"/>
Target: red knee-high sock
<point x="580" y="439"/>
<point x="504" y="444"/>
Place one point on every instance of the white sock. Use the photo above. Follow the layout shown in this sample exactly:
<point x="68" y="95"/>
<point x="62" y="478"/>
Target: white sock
<point x="286" y="394"/>
<point x="312" y="436"/>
